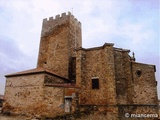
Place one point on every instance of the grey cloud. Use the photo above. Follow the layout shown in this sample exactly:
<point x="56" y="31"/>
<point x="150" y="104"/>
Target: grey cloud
<point x="9" y="48"/>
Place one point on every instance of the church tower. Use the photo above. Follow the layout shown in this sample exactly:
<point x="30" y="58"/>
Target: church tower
<point x="59" y="39"/>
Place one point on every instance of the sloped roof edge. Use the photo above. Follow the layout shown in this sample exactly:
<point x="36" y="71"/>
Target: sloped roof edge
<point x="35" y="71"/>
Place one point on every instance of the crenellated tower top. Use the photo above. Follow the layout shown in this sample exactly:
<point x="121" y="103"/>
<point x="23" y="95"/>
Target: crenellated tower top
<point x="48" y="24"/>
<point x="60" y="37"/>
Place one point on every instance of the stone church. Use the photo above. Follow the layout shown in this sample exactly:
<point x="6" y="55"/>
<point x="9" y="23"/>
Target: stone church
<point x="71" y="79"/>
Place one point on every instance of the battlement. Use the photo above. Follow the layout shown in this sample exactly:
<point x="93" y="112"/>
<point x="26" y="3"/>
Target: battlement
<point x="61" y="17"/>
<point x="49" y="24"/>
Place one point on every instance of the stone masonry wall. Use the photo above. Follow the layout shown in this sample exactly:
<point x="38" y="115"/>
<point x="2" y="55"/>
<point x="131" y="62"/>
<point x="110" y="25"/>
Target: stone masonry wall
<point x="54" y="54"/>
<point x="30" y="95"/>
<point x="137" y="94"/>
<point x="99" y="63"/>
<point x="23" y="93"/>
<point x="145" y="87"/>
<point x="54" y="101"/>
<point x="59" y="39"/>
<point x="123" y="76"/>
<point x="121" y="82"/>
<point x="138" y="109"/>
<point x="50" y="79"/>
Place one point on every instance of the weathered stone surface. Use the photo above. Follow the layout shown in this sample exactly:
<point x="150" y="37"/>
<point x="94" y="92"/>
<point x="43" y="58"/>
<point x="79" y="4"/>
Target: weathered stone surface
<point x="145" y="91"/>
<point x="22" y="93"/>
<point x="98" y="62"/>
<point x="72" y="81"/>
<point x="59" y="39"/>
<point x="37" y="96"/>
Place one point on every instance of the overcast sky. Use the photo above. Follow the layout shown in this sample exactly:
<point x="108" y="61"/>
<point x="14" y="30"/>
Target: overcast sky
<point x="129" y="24"/>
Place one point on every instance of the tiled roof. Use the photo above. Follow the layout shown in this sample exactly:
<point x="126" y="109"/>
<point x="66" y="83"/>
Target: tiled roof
<point x="35" y="71"/>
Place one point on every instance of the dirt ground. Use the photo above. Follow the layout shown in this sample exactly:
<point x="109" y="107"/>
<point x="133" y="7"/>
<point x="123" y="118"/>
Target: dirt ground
<point x="2" y="117"/>
<point x="12" y="117"/>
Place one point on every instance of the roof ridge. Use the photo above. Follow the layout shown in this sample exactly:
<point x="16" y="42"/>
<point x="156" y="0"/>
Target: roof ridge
<point x="34" y="71"/>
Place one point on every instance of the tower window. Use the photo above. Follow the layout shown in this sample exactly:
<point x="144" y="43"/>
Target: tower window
<point x="138" y="72"/>
<point x="95" y="83"/>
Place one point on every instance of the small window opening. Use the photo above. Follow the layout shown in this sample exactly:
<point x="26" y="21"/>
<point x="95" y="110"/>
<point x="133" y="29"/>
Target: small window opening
<point x="45" y="62"/>
<point x="138" y="73"/>
<point x="95" y="83"/>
